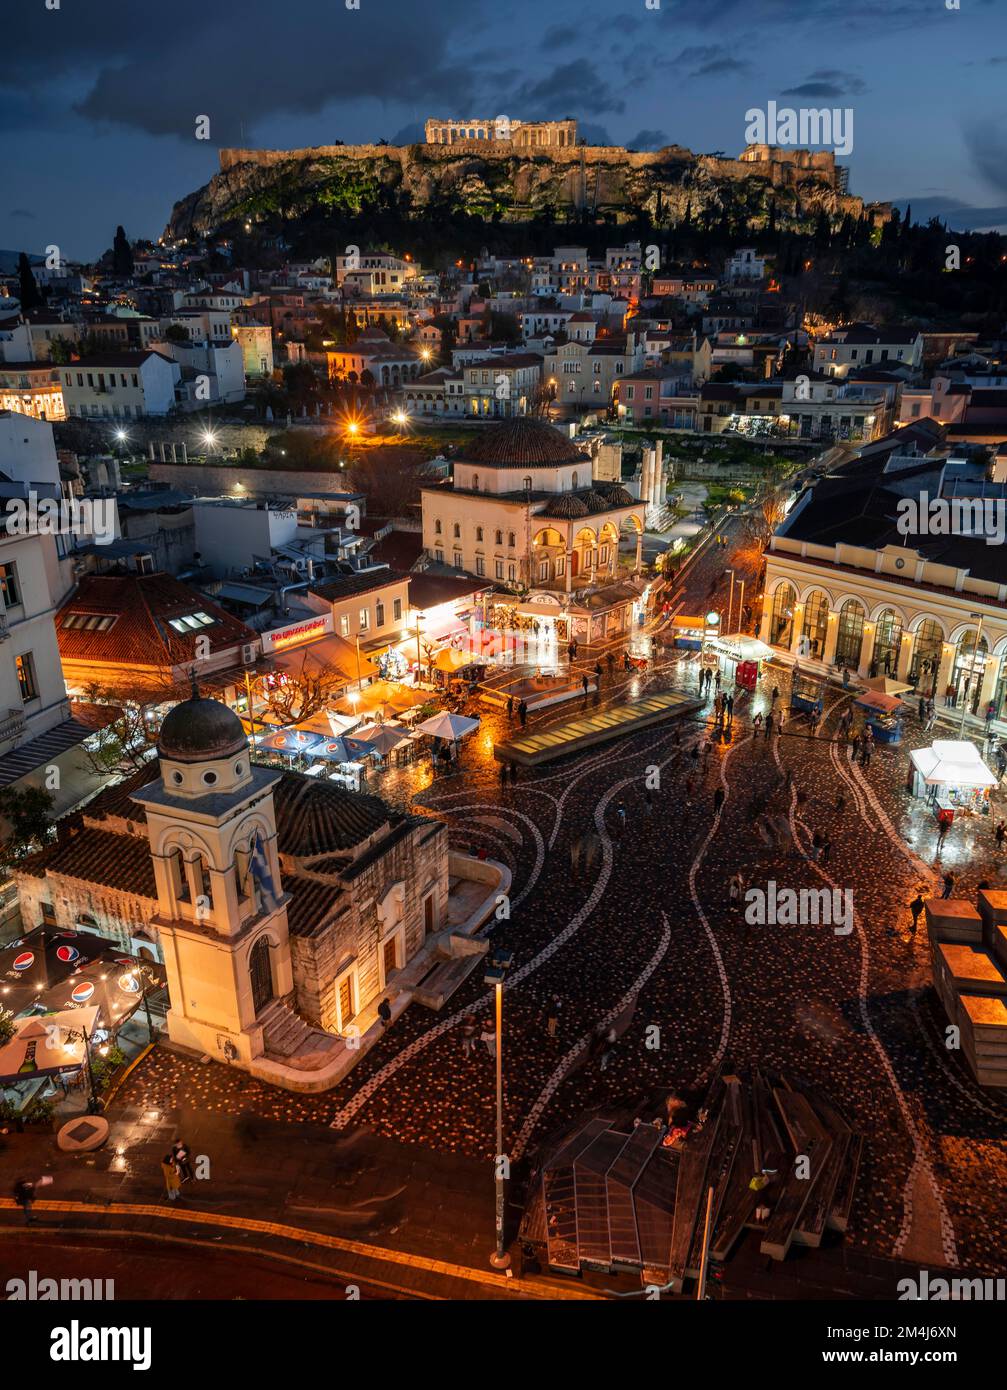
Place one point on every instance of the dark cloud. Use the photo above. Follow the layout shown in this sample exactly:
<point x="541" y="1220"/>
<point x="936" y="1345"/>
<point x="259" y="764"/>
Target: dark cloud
<point x="156" y="71"/>
<point x="711" y="60"/>
<point x="594" y="134"/>
<point x="648" y="140"/>
<point x="957" y="215"/>
<point x="827" y="82"/>
<point x="570" y="87"/>
<point x="559" y="36"/>
<point x="986" y="142"/>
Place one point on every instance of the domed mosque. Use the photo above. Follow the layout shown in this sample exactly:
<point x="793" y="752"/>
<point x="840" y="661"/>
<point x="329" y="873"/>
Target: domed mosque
<point x="543" y="516"/>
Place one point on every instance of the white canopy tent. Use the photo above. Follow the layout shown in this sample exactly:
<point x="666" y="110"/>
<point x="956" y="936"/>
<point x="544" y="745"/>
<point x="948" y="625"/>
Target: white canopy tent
<point x="953" y="763"/>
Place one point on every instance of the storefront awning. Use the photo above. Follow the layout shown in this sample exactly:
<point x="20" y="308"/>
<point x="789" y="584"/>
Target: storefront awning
<point x="332" y="652"/>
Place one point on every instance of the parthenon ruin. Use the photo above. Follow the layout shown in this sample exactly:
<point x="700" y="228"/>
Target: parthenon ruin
<point x="521" y="133"/>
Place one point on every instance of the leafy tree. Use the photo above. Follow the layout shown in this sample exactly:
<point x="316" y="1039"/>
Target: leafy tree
<point x="175" y="333"/>
<point x="26" y="814"/>
<point x="28" y="291"/>
<point x="122" y="254"/>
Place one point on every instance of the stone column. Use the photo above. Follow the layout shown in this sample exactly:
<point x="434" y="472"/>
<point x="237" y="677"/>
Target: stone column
<point x="944" y="673"/>
<point x="569" y="571"/>
<point x="905" y="659"/>
<point x="639" y="551"/>
<point x="989" y="684"/>
<point x="866" y="650"/>
<point x="831" y="638"/>
<point x="797" y="627"/>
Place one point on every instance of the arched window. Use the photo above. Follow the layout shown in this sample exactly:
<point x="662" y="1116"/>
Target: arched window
<point x="457" y="530"/>
<point x="499" y="538"/>
<point x="260" y="971"/>
<point x="926" y="653"/>
<point x="969" y="668"/>
<point x="887" y="637"/>
<point x="781" y="623"/>
<point x="851" y="634"/>
<point x="510" y="538"/>
<point x="816" y="623"/>
<point x="243" y="875"/>
<point x="437" y="527"/>
<point x="204" y="887"/>
<point x="479" y="533"/>
<point x="177" y="876"/>
<point x="574" y="479"/>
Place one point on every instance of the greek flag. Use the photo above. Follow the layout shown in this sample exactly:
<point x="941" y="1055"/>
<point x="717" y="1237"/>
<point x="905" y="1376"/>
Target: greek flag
<point x="263" y="875"/>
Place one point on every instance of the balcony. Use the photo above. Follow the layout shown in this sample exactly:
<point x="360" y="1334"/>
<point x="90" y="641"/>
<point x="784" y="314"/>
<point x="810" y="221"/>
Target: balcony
<point x="12" y="727"/>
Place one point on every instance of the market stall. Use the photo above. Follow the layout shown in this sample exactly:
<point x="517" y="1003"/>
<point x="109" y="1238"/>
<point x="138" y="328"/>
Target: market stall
<point x="952" y="778"/>
<point x="884" y="715"/>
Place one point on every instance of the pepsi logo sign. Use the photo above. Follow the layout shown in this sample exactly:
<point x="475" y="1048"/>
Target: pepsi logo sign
<point x="67" y="954"/>
<point x="24" y="961"/>
<point x="81" y="993"/>
<point x="129" y="984"/>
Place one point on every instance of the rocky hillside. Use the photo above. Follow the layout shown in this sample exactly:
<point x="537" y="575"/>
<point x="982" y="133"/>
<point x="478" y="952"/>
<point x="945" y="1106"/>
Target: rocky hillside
<point x="421" y="180"/>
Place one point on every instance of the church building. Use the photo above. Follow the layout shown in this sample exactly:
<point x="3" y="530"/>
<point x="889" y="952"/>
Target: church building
<point x="284" y="907"/>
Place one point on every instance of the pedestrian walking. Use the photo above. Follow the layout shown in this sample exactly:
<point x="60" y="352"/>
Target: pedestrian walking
<point x="949" y="884"/>
<point x="510" y="706"/>
<point x="172" y="1177"/>
<point x="816" y="845"/>
<point x="718" y="800"/>
<point x="690" y="787"/>
<point x="999" y="833"/>
<point x="610" y="662"/>
<point x="468" y="1036"/>
<point x="840" y="803"/>
<point x="488" y="1037"/>
<point x="552" y="1017"/>
<point x="597" y="673"/>
<point x="584" y="684"/>
<point x="620" y="819"/>
<point x="648" y="801"/>
<point x="385" y="1013"/>
<point x="183" y="1162"/>
<point x="776" y="694"/>
<point x="942" y="835"/>
<point x="826" y="849"/>
<point x="522" y="711"/>
<point x="769" y="726"/>
<point x="735" y="888"/>
<point x="24" y="1195"/>
<point x="916" y="907"/>
<point x="717" y="677"/>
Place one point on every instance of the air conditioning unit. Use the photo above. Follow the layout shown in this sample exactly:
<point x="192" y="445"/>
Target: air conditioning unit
<point x="248" y="654"/>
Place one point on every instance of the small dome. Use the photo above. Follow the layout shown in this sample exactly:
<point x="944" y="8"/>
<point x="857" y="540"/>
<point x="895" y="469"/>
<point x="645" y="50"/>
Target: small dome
<point x="596" y="503"/>
<point x="566" y="506"/>
<point x="200" y="731"/>
<point x="616" y="494"/>
<point x="520" y="442"/>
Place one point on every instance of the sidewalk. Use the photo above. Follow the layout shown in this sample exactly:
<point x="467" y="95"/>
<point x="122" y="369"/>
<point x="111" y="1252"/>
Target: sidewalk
<point x="365" y="1207"/>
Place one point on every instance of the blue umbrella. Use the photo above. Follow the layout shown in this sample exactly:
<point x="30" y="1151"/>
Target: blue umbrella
<point x="333" y="750"/>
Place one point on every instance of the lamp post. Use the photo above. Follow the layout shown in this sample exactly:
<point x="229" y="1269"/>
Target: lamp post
<point x="730" y="601"/>
<point x="499" y="1259"/>
<point x="72" y="1033"/>
<point x="972" y="668"/>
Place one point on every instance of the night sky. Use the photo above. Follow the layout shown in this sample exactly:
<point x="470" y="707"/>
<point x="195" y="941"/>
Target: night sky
<point x="98" y="99"/>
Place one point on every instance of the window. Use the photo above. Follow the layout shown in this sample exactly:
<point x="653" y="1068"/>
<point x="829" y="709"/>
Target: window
<point x="457" y="561"/>
<point x="88" y="622"/>
<point x="480" y="566"/>
<point x="192" y="622"/>
<point x="26" y="677"/>
<point x="479" y="533"/>
<point x="526" y="484"/>
<point x="397" y="610"/>
<point x="510" y="538"/>
<point x="456" y="531"/>
<point x="379" y="614"/>
<point x="499" y="569"/>
<point x="511" y="574"/>
<point x="439" y="556"/>
<point x="499" y="538"/>
<point x="344" y="624"/>
<point x="9" y="589"/>
<point x="365" y="619"/>
<point x="437" y="527"/>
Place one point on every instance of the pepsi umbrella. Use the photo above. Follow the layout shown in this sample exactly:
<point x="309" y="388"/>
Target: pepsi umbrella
<point x="384" y="738"/>
<point x="291" y="741"/>
<point x="43" y="957"/>
<point x="333" y="750"/>
<point x="359" y="749"/>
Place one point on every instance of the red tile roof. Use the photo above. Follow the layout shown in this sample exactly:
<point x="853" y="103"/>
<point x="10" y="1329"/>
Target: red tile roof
<point x="142" y="606"/>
